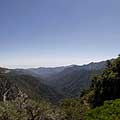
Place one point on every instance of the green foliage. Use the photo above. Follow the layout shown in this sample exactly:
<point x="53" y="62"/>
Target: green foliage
<point x="72" y="80"/>
<point x="8" y="90"/>
<point x="29" y="110"/>
<point x="109" y="111"/>
<point x="105" y="86"/>
<point x="33" y="87"/>
<point x="73" y="108"/>
<point x="17" y="106"/>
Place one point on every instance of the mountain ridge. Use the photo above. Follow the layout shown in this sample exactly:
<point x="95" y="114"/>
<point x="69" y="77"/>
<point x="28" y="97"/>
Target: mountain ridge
<point x="64" y="81"/>
<point x="48" y="71"/>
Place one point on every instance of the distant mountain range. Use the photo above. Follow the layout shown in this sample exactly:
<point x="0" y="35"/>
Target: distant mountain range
<point x="73" y="79"/>
<point x="45" y="72"/>
<point x="54" y="83"/>
<point x="68" y="81"/>
<point x="32" y="86"/>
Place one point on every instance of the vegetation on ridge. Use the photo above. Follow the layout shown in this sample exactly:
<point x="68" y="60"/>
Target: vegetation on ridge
<point x="100" y="102"/>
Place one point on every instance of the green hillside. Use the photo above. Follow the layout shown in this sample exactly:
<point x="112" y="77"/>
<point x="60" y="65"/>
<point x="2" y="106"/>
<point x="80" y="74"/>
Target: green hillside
<point x="32" y="86"/>
<point x="24" y="97"/>
<point x="109" y="111"/>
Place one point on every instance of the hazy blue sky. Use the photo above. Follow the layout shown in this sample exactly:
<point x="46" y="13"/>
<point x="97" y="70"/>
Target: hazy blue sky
<point x="58" y="32"/>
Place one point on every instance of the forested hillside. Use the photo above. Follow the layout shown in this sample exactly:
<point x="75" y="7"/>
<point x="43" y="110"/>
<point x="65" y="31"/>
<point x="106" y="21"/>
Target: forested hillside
<point x="34" y="87"/>
<point x="21" y="97"/>
<point x="67" y="80"/>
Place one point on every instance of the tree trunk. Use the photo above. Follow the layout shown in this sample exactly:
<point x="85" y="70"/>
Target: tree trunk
<point x="4" y="97"/>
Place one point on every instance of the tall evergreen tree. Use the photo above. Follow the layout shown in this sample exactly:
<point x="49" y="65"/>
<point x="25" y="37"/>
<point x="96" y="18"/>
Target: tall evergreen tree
<point x="107" y="85"/>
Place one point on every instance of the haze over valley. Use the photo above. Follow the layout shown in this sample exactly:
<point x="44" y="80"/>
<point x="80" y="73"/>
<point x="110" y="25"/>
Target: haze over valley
<point x="59" y="60"/>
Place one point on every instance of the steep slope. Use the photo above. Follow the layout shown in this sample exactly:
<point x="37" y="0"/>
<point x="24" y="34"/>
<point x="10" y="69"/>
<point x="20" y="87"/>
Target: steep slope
<point x="71" y="81"/>
<point x="46" y="72"/>
<point x="32" y="86"/>
<point x="105" y="86"/>
<point x="40" y="72"/>
<point x="68" y="81"/>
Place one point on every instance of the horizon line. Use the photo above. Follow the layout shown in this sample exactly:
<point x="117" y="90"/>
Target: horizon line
<point x="39" y="66"/>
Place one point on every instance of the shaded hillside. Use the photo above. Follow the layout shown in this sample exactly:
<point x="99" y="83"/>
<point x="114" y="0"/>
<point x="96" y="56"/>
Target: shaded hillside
<point x="71" y="81"/>
<point x="46" y="72"/>
<point x="40" y="72"/>
<point x="33" y="87"/>
<point x="105" y="86"/>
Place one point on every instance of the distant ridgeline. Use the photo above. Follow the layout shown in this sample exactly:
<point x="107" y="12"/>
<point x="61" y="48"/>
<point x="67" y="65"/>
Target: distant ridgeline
<point x="30" y="85"/>
<point x="53" y="84"/>
<point x="66" y="81"/>
<point x="78" y="95"/>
